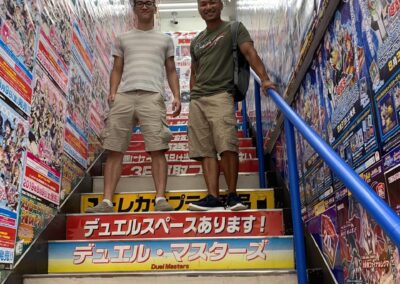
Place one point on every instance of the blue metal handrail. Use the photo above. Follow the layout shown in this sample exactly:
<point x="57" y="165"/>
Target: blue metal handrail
<point x="373" y="204"/>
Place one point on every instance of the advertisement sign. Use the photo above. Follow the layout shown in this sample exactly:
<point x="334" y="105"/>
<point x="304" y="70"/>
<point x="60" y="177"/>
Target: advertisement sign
<point x="76" y="144"/>
<point x="41" y="180"/>
<point x="172" y="255"/>
<point x="175" y="225"/>
<point x="144" y="201"/>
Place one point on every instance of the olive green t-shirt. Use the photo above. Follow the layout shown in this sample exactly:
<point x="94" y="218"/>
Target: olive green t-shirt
<point x="211" y="52"/>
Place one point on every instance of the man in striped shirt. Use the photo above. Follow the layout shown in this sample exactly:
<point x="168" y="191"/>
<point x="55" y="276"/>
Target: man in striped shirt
<point x="136" y="87"/>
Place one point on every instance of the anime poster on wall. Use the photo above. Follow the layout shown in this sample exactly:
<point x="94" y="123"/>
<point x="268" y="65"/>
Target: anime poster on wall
<point x="82" y="51"/>
<point x="325" y="231"/>
<point x="46" y="134"/>
<point x="35" y="215"/>
<point x="78" y="96"/>
<point x="98" y="101"/>
<point x="391" y="167"/>
<point x="56" y="28"/>
<point x="71" y="175"/>
<point x="13" y="140"/>
<point x="380" y="27"/>
<point x="18" y="26"/>
<point x="15" y="83"/>
<point x="345" y="73"/>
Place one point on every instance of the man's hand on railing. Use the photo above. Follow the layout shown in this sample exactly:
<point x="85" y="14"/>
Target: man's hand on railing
<point x="267" y="84"/>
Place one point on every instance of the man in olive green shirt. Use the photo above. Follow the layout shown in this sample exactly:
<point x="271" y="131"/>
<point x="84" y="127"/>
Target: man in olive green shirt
<point x="212" y="121"/>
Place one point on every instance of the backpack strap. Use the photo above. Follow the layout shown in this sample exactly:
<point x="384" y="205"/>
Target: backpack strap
<point x="234" y="33"/>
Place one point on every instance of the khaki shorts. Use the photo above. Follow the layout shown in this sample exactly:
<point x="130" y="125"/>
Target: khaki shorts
<point x="212" y="126"/>
<point x="128" y="110"/>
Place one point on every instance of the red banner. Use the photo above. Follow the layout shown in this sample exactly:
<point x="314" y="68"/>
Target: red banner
<point x="175" y="225"/>
<point x="182" y="167"/>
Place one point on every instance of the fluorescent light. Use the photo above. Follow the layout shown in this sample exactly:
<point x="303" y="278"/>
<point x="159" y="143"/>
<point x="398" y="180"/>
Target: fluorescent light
<point x="178" y="10"/>
<point x="178" y="5"/>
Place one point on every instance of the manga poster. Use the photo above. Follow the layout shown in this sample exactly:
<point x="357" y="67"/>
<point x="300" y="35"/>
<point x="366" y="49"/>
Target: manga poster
<point x="47" y="121"/>
<point x="78" y="96"/>
<point x="56" y="28"/>
<point x="367" y="253"/>
<point x="391" y="168"/>
<point x="82" y="51"/>
<point x="18" y="26"/>
<point x="85" y="22"/>
<point x="71" y="175"/>
<point x="13" y="142"/>
<point x="344" y="69"/>
<point x="380" y="29"/>
<point x="35" y="215"/>
<point x="98" y="101"/>
<point x="15" y="83"/>
<point x="325" y="231"/>
<point x="94" y="147"/>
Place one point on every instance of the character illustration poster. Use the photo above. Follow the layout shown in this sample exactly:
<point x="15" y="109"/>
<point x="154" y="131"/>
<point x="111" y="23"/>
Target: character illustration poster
<point x="79" y="93"/>
<point x="13" y="140"/>
<point x="47" y="121"/>
<point x="325" y="232"/>
<point x="18" y="26"/>
<point x="57" y="28"/>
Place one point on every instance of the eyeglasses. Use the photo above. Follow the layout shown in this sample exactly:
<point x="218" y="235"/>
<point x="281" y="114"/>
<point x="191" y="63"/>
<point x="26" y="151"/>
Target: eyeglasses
<point x="143" y="3"/>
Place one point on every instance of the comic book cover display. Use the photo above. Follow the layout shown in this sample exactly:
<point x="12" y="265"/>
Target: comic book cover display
<point x="19" y="21"/>
<point x="391" y="168"/>
<point x="380" y="24"/>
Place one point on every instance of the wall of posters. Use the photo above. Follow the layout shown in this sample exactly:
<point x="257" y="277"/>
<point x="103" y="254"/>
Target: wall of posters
<point x="350" y="97"/>
<point x="53" y="70"/>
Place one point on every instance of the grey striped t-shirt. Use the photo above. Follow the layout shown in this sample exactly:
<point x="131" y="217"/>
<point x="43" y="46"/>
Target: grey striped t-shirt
<point x="144" y="53"/>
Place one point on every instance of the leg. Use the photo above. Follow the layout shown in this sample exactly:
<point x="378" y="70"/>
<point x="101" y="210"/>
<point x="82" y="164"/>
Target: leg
<point x="230" y="167"/>
<point x="159" y="171"/>
<point x="211" y="175"/>
<point x="112" y="173"/>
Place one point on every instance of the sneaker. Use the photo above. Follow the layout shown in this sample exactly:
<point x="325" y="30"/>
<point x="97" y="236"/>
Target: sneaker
<point x="207" y="203"/>
<point x="102" y="207"/>
<point x="234" y="203"/>
<point x="163" y="205"/>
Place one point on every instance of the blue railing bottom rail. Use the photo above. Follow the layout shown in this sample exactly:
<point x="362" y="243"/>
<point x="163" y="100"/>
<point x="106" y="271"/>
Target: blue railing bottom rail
<point x="373" y="204"/>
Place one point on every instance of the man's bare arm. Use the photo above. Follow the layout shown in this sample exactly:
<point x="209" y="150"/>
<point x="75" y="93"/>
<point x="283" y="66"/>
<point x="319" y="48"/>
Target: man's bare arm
<point x="173" y="83"/>
<point x="115" y="77"/>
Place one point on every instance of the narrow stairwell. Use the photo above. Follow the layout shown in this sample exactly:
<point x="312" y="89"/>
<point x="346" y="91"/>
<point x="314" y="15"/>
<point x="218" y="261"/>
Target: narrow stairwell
<point x="141" y="246"/>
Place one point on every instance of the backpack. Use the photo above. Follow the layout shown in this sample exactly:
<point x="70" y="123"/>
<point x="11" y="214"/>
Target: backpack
<point x="241" y="68"/>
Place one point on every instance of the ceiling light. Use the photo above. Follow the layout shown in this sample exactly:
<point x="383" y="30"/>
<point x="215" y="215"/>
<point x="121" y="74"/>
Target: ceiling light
<point x="178" y="5"/>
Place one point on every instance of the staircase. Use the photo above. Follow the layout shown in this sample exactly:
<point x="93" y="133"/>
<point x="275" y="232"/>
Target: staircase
<point x="141" y="246"/>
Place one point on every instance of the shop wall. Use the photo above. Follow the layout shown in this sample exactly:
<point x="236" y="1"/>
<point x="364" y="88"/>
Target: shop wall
<point x="351" y="97"/>
<point x="55" y="58"/>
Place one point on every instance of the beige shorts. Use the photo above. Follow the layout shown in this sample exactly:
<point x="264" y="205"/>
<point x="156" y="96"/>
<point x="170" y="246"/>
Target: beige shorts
<point x="128" y="110"/>
<point x="212" y="126"/>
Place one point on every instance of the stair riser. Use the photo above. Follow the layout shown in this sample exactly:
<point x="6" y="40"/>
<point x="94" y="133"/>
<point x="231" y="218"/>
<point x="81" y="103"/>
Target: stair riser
<point x="182" y="167"/>
<point x="165" y="279"/>
<point x="174" y="225"/>
<point x="144" y="201"/>
<point x="172" y="255"/>
<point x="181" y="145"/>
<point x="180" y="155"/>
<point x="145" y="183"/>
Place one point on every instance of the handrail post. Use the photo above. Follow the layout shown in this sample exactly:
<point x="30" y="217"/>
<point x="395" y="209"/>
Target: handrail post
<point x="259" y="136"/>
<point x="298" y="230"/>
<point x="244" y="116"/>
